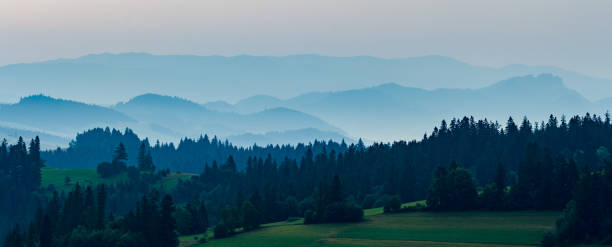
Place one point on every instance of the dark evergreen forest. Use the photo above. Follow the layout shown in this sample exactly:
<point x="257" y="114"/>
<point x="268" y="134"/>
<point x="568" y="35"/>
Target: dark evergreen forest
<point x="518" y="166"/>
<point x="189" y="155"/>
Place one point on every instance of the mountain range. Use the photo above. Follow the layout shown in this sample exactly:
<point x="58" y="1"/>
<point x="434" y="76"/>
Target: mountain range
<point x="110" y="78"/>
<point x="286" y="99"/>
<point x="381" y="113"/>
<point x="391" y="111"/>
<point x="162" y="118"/>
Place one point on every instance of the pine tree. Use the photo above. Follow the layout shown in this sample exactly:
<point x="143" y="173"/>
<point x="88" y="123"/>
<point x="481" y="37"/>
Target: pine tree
<point x="142" y="151"/>
<point x="500" y="178"/>
<point x="167" y="231"/>
<point x="4" y="156"/>
<point x="120" y="154"/>
<point x="250" y="216"/>
<point x="511" y="128"/>
<point x="230" y="164"/>
<point x="101" y="207"/>
<point x="145" y="161"/>
<point x="14" y="238"/>
<point x="46" y="237"/>
<point x="335" y="193"/>
<point x="35" y="163"/>
<point x="500" y="186"/>
<point x="203" y="216"/>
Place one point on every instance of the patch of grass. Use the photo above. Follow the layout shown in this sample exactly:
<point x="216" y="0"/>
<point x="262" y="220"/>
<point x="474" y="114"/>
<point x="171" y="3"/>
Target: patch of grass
<point x="375" y="211"/>
<point x="89" y="177"/>
<point x="85" y="177"/>
<point x="169" y="182"/>
<point x="477" y="228"/>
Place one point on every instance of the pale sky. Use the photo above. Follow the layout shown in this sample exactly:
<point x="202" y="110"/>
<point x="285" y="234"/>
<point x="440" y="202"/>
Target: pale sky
<point x="575" y="35"/>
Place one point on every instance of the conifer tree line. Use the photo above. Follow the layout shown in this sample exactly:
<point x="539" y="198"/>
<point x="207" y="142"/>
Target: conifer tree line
<point x="81" y="220"/>
<point x="20" y="179"/>
<point x="518" y="166"/>
<point x="539" y="162"/>
<point x="94" y="146"/>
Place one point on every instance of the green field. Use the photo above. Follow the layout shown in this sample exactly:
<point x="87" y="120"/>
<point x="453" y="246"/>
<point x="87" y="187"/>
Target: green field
<point x="89" y="177"/>
<point x="479" y="228"/>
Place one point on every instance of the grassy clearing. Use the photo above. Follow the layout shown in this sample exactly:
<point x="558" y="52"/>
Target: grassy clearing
<point x="509" y="229"/>
<point x="89" y="177"/>
<point x="169" y="182"/>
<point x="85" y="177"/>
<point x="375" y="211"/>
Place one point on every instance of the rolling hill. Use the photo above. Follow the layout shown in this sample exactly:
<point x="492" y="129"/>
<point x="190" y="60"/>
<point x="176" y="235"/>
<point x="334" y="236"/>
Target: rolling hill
<point x="480" y="229"/>
<point x="181" y="117"/>
<point x="63" y="117"/>
<point x="159" y="117"/>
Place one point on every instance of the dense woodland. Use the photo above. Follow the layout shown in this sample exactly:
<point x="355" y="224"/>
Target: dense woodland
<point x="519" y="166"/>
<point x="96" y="145"/>
<point x="19" y="182"/>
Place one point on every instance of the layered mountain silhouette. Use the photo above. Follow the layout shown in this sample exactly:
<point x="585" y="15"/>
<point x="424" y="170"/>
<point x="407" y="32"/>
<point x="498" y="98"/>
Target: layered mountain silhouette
<point x="59" y="116"/>
<point x="391" y="111"/>
<point x="110" y="78"/>
<point x="159" y="117"/>
<point x="386" y="112"/>
<point x="186" y="118"/>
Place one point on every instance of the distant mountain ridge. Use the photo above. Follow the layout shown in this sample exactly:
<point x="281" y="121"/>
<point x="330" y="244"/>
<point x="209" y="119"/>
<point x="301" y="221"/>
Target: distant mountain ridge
<point x="296" y="136"/>
<point x="164" y="118"/>
<point x="386" y="112"/>
<point x="190" y="119"/>
<point x="59" y="115"/>
<point x="391" y="111"/>
<point x="109" y="78"/>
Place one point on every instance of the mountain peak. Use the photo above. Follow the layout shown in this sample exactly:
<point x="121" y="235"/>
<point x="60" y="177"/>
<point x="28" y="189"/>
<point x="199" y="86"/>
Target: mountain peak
<point x="389" y="85"/>
<point x="44" y="99"/>
<point x="541" y="81"/>
<point x="151" y="98"/>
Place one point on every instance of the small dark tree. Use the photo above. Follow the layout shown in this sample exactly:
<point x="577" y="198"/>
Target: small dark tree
<point x="221" y="230"/>
<point x="101" y="207"/>
<point x="167" y="232"/>
<point x="392" y="205"/>
<point x="250" y="216"/>
<point x="145" y="161"/>
<point x="46" y="233"/>
<point x="120" y="154"/>
<point x="452" y="190"/>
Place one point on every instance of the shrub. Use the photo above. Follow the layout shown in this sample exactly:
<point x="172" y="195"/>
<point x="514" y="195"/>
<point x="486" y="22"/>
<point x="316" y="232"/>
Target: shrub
<point x="368" y="201"/>
<point x="381" y="201"/>
<point x="106" y="169"/>
<point x="133" y="173"/>
<point x="548" y="240"/>
<point x="343" y="212"/>
<point x="310" y="217"/>
<point x="393" y="205"/>
<point x="221" y="231"/>
<point x="305" y="205"/>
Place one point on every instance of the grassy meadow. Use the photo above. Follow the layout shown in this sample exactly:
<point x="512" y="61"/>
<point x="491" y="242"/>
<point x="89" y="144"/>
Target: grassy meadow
<point x="477" y="228"/>
<point x="89" y="177"/>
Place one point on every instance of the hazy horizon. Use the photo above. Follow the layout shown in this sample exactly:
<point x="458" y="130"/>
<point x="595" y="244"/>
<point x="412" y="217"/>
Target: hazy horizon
<point x="567" y="34"/>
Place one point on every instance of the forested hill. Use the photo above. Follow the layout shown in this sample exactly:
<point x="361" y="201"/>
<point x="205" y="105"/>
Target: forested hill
<point x="540" y="162"/>
<point x="189" y="155"/>
<point x="476" y="144"/>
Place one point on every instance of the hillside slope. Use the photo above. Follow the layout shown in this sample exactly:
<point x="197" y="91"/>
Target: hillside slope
<point x="492" y="229"/>
<point x="59" y="115"/>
